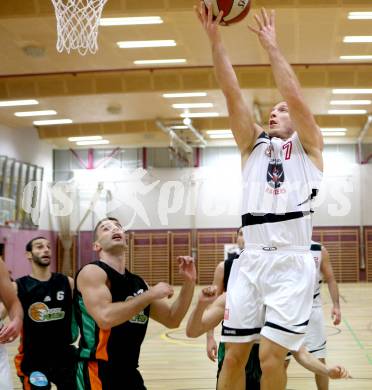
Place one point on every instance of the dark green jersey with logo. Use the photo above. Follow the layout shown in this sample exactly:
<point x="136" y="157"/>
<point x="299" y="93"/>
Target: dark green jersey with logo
<point x="119" y="346"/>
<point x="47" y="306"/>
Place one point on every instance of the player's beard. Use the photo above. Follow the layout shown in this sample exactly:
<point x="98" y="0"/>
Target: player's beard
<point x="40" y="261"/>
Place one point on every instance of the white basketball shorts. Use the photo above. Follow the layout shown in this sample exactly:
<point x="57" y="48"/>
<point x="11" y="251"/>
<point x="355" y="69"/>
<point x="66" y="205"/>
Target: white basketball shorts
<point x="5" y="374"/>
<point x="315" y="339"/>
<point x="270" y="292"/>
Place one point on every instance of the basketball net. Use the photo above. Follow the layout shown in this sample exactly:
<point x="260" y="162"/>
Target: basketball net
<point x="77" y="24"/>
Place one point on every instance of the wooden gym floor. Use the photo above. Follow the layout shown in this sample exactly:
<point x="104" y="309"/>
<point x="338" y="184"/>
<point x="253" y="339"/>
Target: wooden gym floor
<point x="170" y="361"/>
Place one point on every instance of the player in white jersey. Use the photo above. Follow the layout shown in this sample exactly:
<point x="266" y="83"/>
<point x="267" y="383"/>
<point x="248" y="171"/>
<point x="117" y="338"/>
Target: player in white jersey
<point x="9" y="304"/>
<point x="315" y="340"/>
<point x="270" y="289"/>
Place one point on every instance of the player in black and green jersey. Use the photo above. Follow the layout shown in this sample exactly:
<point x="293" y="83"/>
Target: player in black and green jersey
<point x="112" y="307"/>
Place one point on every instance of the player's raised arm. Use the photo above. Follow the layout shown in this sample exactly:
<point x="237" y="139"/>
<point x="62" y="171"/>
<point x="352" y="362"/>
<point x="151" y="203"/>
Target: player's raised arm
<point x="242" y="125"/>
<point x="290" y="89"/>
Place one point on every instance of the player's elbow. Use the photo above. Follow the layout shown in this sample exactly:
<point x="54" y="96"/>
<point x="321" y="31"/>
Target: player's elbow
<point x="173" y="323"/>
<point x="192" y="332"/>
<point x="104" y="321"/>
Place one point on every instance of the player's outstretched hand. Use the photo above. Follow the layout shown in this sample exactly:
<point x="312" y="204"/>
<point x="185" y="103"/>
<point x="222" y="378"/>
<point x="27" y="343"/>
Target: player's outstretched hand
<point x="187" y="270"/>
<point x="338" y="372"/>
<point x="265" y="29"/>
<point x="205" y="16"/>
<point x="162" y="290"/>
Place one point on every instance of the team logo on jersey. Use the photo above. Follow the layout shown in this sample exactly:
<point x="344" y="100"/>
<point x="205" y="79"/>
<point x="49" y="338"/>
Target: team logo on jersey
<point x="38" y="379"/>
<point x="140" y="318"/>
<point x="275" y="173"/>
<point x="40" y="312"/>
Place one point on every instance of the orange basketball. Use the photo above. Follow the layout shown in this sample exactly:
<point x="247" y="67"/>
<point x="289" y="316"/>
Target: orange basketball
<point x="233" y="10"/>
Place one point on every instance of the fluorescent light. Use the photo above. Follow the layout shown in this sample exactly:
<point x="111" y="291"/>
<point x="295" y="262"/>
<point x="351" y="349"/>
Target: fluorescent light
<point x="367" y="57"/>
<point x="87" y="138"/>
<point x="85" y="143"/>
<point x="35" y="113"/>
<point x="130" y="21"/>
<point x="347" y="112"/>
<point x="192" y="105"/>
<point x="199" y="114"/>
<point x="360" y="15"/>
<point x="186" y="121"/>
<point x="227" y="136"/>
<point x="333" y="133"/>
<point x="179" y="127"/>
<point x="153" y="43"/>
<point x="352" y="91"/>
<point x="182" y="95"/>
<point x="14" y="103"/>
<point x="358" y="39"/>
<point x="222" y="131"/>
<point x="350" y="102"/>
<point x="154" y="62"/>
<point x="52" y="122"/>
<point x="333" y="129"/>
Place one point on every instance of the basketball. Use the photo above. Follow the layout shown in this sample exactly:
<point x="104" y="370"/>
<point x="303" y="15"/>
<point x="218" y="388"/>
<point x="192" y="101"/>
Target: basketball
<point x="233" y="10"/>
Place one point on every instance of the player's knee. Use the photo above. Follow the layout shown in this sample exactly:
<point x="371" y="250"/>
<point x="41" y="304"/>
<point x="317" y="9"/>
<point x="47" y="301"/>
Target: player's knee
<point x="234" y="360"/>
<point x="271" y="363"/>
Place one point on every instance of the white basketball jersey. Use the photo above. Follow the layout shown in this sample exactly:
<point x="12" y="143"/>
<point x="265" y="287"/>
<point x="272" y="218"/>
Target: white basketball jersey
<point x="316" y="251"/>
<point x="279" y="183"/>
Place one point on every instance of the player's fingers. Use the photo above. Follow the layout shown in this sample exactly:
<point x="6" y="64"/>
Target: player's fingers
<point x="210" y="14"/>
<point x="259" y="22"/>
<point x="219" y="17"/>
<point x="272" y="18"/>
<point x="253" y="29"/>
<point x="265" y="17"/>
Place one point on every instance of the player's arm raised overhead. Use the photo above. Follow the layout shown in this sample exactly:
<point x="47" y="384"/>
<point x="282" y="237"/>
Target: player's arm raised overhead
<point x="242" y="125"/>
<point x="327" y="271"/>
<point x="290" y="89"/>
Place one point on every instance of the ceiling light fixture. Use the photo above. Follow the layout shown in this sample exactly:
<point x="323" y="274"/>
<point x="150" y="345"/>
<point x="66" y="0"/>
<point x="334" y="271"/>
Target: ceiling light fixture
<point x="358" y="39"/>
<point x="333" y="133"/>
<point x="347" y="112"/>
<point x="355" y="91"/>
<point x="160" y="62"/>
<point x="219" y="131"/>
<point x="130" y="21"/>
<point x="179" y="127"/>
<point x="199" y="114"/>
<point x="221" y="136"/>
<point x="35" y="113"/>
<point x="184" y="95"/>
<point x="141" y="44"/>
<point x="86" y="143"/>
<point x="332" y="129"/>
<point x="359" y="15"/>
<point x="47" y="122"/>
<point x="192" y="105"/>
<point x="87" y="138"/>
<point x="351" y="58"/>
<point x="15" y="103"/>
<point x="350" y="102"/>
